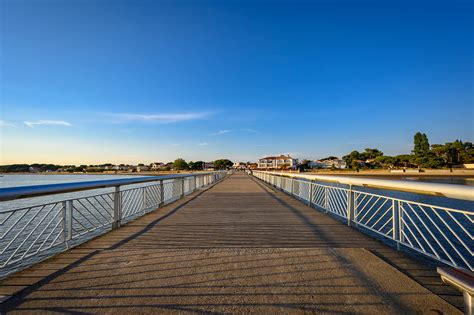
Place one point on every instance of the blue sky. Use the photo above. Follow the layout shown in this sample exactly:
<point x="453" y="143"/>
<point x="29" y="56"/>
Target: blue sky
<point x="142" y="81"/>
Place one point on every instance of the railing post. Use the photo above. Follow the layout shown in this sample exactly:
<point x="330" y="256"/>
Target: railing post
<point x="67" y="222"/>
<point x="350" y="206"/>
<point x="144" y="199"/>
<point x="116" y="215"/>
<point x="326" y="198"/>
<point x="69" y="209"/>
<point x="396" y="231"/>
<point x="182" y="186"/>
<point x="64" y="222"/>
<point x="292" y="180"/>
<point x="162" y="194"/>
<point x="195" y="182"/>
<point x="310" y="196"/>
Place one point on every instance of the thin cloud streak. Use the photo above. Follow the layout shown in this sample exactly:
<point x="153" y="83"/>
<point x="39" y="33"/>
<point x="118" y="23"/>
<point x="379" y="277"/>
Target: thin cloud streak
<point x="157" y="118"/>
<point x="31" y="124"/>
<point x="203" y="143"/>
<point x="4" y="123"/>
<point x="220" y="132"/>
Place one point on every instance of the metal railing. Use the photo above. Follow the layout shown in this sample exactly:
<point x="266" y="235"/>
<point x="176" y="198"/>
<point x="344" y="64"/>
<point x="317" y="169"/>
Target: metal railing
<point x="392" y="210"/>
<point x="35" y="232"/>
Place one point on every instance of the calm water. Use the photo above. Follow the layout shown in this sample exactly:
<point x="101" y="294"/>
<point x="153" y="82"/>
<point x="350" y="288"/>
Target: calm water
<point x="26" y="180"/>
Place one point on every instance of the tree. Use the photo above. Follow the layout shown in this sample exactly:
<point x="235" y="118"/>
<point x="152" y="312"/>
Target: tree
<point x="385" y="161"/>
<point x="421" y="144"/>
<point x="329" y="158"/>
<point x="371" y="153"/>
<point x="180" y="164"/>
<point x="223" y="164"/>
<point x="403" y="160"/>
<point x="355" y="165"/>
<point x="352" y="157"/>
<point x="198" y="165"/>
<point x="423" y="156"/>
<point x="304" y="165"/>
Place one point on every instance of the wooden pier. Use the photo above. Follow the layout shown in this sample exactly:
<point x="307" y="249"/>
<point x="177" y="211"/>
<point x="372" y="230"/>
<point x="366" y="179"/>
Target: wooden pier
<point x="237" y="247"/>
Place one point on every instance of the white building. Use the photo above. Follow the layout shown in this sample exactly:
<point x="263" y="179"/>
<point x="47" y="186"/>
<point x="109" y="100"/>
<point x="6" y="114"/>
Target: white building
<point x="276" y="162"/>
<point x="155" y="166"/>
<point x="239" y="165"/>
<point x="329" y="163"/>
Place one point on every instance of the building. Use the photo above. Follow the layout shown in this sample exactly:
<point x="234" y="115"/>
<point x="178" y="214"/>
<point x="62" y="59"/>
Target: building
<point x="34" y="169"/>
<point x="142" y="168"/>
<point x="277" y="162"/>
<point x="209" y="166"/>
<point x="239" y="165"/>
<point x="328" y="163"/>
<point x="155" y="166"/>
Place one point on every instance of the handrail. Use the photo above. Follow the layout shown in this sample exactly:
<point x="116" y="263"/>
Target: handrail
<point x="438" y="232"/>
<point x="31" y="233"/>
<point x="20" y="192"/>
<point x="435" y="189"/>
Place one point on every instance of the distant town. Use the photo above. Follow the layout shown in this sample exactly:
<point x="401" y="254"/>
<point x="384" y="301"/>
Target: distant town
<point x="455" y="154"/>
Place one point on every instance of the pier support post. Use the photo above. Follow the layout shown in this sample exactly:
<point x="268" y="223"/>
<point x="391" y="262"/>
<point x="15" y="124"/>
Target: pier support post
<point x="310" y="196"/>
<point x="116" y="214"/>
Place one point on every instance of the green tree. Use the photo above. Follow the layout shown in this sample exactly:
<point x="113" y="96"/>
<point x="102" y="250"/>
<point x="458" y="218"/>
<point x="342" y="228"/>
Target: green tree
<point x="304" y="165"/>
<point x="372" y="153"/>
<point x="180" y="164"/>
<point x="385" y="161"/>
<point x="421" y="144"/>
<point x="352" y="157"/>
<point x="223" y="164"/>
<point x="329" y="158"/>
<point x="195" y="166"/>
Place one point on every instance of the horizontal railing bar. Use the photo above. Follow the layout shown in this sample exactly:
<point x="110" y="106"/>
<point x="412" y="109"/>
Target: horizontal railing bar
<point x="21" y="192"/>
<point x="434" y="189"/>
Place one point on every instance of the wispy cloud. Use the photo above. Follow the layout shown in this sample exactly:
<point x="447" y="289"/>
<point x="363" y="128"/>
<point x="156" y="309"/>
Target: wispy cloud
<point x="4" y="123"/>
<point x="220" y="132"/>
<point x="31" y="124"/>
<point x="203" y="143"/>
<point x="157" y="118"/>
<point x="175" y="144"/>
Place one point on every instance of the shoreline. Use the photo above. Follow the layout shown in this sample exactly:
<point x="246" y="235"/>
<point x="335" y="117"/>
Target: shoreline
<point x="445" y="173"/>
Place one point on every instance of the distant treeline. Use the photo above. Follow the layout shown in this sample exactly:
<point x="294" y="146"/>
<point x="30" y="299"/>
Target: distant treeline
<point x="23" y="168"/>
<point x="423" y="155"/>
<point x="178" y="164"/>
<point x="37" y="167"/>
